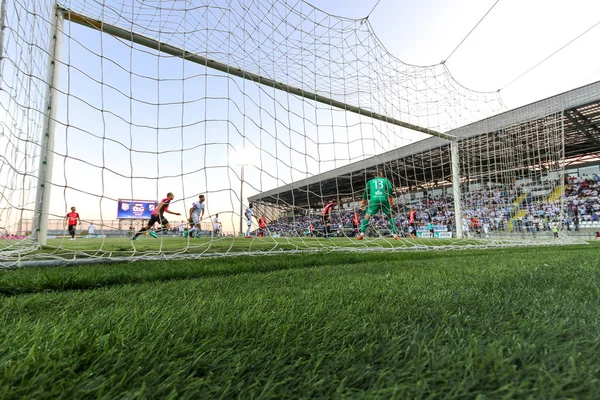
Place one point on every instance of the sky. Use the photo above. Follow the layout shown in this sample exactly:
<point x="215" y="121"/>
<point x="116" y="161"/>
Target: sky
<point x="133" y="125"/>
<point x="512" y="38"/>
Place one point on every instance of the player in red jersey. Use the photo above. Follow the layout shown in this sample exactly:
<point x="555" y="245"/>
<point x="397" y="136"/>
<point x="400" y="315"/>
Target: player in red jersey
<point x="158" y="216"/>
<point x="72" y="221"/>
<point x="262" y="226"/>
<point x="412" y="222"/>
<point x="326" y="217"/>
<point x="355" y="223"/>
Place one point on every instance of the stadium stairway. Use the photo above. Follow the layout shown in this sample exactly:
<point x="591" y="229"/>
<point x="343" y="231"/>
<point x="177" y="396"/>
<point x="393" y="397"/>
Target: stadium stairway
<point x="515" y="206"/>
<point x="553" y="197"/>
<point x="520" y="213"/>
<point x="556" y="193"/>
<point x="518" y="201"/>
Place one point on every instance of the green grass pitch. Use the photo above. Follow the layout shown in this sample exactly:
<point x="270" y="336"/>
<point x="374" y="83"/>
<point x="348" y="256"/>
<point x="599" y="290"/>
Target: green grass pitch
<point x="504" y="323"/>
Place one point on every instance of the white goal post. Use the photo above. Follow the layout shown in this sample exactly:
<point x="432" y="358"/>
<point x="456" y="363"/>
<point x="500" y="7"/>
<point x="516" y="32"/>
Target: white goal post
<point x="162" y="101"/>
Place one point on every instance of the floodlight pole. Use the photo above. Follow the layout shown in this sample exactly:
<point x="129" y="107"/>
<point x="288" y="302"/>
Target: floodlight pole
<point x="456" y="187"/>
<point x="42" y="198"/>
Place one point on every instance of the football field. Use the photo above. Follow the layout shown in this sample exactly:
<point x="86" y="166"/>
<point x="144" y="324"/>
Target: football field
<point x="510" y="323"/>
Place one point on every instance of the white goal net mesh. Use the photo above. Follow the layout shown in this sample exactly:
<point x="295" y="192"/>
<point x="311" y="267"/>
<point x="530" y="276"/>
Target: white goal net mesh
<point x="135" y="120"/>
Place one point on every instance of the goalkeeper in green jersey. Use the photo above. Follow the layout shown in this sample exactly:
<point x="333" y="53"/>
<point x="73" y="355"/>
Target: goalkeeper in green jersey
<point x="378" y="194"/>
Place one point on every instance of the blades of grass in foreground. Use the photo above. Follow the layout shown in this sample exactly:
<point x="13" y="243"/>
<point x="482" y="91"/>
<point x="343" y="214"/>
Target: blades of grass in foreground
<point x="499" y="324"/>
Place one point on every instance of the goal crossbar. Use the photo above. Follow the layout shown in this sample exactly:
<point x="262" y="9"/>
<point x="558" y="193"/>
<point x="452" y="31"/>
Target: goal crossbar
<point x="142" y="40"/>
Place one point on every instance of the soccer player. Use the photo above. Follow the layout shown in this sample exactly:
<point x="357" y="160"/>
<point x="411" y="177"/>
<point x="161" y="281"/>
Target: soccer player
<point x="555" y="229"/>
<point x="486" y="229"/>
<point x="355" y="223"/>
<point x="326" y="217"/>
<point x="196" y="215"/>
<point x="378" y="196"/>
<point x="262" y="226"/>
<point x="158" y="216"/>
<point x="465" y="226"/>
<point x="72" y="221"/>
<point x="216" y="226"/>
<point x="91" y="229"/>
<point x="475" y="226"/>
<point x="249" y="213"/>
<point x="412" y="222"/>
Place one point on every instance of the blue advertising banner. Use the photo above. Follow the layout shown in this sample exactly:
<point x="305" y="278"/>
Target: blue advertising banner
<point x="135" y="209"/>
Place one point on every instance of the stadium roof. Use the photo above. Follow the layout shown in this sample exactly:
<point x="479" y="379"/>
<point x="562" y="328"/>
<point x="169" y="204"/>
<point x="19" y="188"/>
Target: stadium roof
<point x="580" y="108"/>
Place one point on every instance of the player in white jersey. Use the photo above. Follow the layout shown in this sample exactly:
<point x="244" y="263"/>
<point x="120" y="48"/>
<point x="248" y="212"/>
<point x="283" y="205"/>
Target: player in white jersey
<point x="465" y="225"/>
<point x="249" y="214"/>
<point x="196" y="215"/>
<point x="216" y="226"/>
<point x="486" y="229"/>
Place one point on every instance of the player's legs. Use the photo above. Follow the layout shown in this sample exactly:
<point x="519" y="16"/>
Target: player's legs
<point x="392" y="221"/>
<point x="196" y="220"/>
<point x="326" y="225"/>
<point x="72" y="231"/>
<point x="386" y="209"/>
<point x="372" y="209"/>
<point x="151" y="222"/>
<point x="165" y="226"/>
<point x="363" y="226"/>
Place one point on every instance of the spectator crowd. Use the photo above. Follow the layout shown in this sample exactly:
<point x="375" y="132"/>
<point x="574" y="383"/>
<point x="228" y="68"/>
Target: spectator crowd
<point x="530" y="207"/>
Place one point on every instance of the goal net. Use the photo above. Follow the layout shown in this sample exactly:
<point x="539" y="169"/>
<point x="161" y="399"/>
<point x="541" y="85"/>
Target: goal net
<point x="109" y="106"/>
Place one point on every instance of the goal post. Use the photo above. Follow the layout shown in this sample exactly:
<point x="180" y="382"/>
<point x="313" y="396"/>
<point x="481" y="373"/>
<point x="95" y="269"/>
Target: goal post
<point x="219" y="66"/>
<point x="456" y="191"/>
<point x="156" y="99"/>
<point x="44" y="178"/>
<point x="60" y="14"/>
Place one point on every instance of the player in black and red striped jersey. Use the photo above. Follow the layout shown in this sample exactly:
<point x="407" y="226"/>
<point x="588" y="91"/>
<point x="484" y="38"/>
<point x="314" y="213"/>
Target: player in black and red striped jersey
<point x="158" y="216"/>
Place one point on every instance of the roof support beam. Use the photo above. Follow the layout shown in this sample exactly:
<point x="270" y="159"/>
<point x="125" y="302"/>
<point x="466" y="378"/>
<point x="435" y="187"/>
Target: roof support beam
<point x="590" y="130"/>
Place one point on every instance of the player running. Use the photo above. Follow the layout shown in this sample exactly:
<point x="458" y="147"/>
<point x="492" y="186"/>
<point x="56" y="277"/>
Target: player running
<point x="72" y="221"/>
<point x="378" y="193"/>
<point x="196" y="215"/>
<point x="158" y="216"/>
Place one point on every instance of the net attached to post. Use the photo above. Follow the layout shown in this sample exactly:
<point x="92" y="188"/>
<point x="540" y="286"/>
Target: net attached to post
<point x="233" y="100"/>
